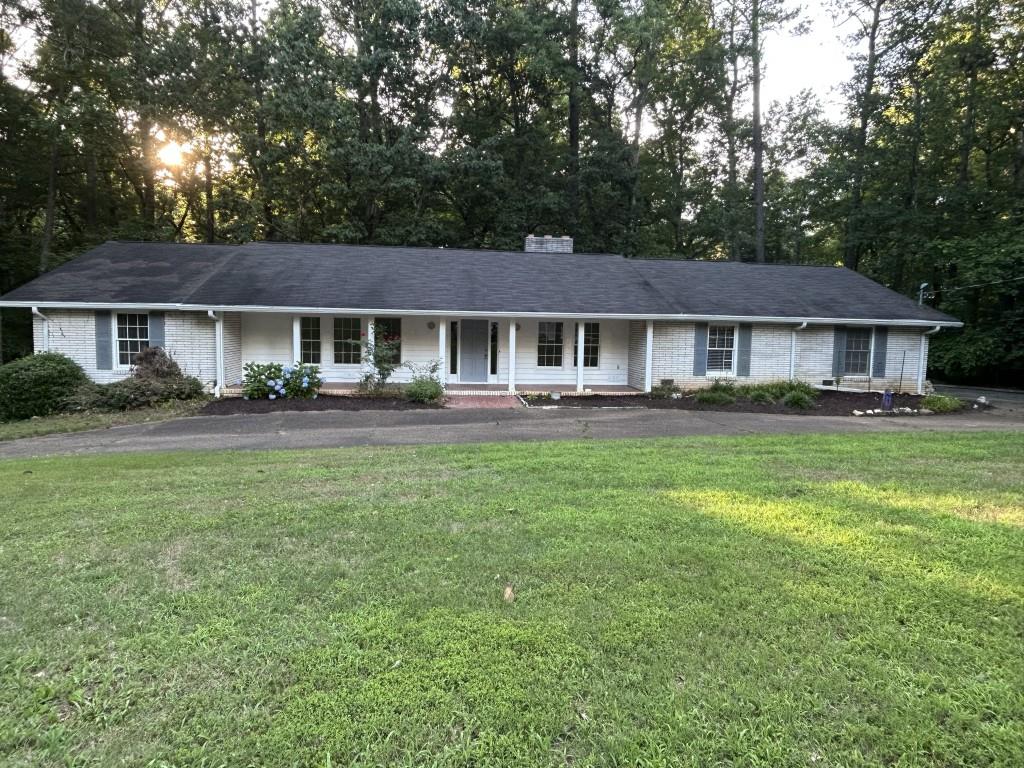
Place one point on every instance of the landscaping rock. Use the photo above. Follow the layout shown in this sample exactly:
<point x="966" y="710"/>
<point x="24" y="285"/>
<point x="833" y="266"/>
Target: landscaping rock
<point x="858" y="413"/>
<point x="926" y="412"/>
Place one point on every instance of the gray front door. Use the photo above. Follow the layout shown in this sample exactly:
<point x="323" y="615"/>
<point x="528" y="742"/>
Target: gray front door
<point x="473" y="351"/>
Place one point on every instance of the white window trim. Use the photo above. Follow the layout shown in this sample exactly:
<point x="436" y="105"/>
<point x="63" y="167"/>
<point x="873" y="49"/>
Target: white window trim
<point x="342" y="366"/>
<point x="599" y="345"/>
<point x="731" y="373"/>
<point x="118" y="365"/>
<point x="871" y="361"/>
<point x="536" y="350"/>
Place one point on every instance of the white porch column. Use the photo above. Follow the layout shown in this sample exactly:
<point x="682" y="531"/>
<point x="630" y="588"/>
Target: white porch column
<point x="579" y="355"/>
<point x="367" y="361"/>
<point x="442" y="374"/>
<point x="296" y="338"/>
<point x="649" y="358"/>
<point x="511" y="355"/>
<point x="218" y="337"/>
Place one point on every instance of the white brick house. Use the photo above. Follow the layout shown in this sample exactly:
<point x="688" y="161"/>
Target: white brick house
<point x="496" y="321"/>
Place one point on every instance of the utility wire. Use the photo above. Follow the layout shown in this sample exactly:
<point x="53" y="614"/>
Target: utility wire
<point x="932" y="294"/>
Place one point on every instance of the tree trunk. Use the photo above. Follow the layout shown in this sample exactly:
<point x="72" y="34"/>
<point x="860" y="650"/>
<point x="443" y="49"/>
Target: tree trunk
<point x="573" y="201"/>
<point x="145" y="123"/>
<point x="91" y="194"/>
<point x="755" y="61"/>
<point x="732" y="153"/>
<point x="211" y="234"/>
<point x="967" y="133"/>
<point x="51" y="201"/>
<point x="852" y="246"/>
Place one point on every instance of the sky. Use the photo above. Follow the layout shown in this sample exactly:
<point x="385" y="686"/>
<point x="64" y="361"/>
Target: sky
<point x="816" y="60"/>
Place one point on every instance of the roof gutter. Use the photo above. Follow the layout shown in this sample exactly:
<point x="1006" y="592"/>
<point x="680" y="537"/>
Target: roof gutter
<point x="455" y="314"/>
<point x="218" y="349"/>
<point x="46" y="328"/>
<point x="792" y="350"/>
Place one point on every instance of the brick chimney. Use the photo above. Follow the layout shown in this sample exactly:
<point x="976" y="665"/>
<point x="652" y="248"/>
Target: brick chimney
<point x="548" y="244"/>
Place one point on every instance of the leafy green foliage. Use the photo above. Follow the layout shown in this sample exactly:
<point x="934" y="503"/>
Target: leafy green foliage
<point x="664" y="391"/>
<point x="797" y="399"/>
<point x="133" y="392"/>
<point x="273" y="380"/>
<point x="715" y="396"/>
<point x="356" y="595"/>
<point x="941" y="403"/>
<point x="38" y="385"/>
<point x="423" y="389"/>
<point x="454" y="124"/>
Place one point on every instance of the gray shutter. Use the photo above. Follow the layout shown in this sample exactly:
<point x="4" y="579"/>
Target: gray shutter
<point x="156" y="329"/>
<point x="700" y="349"/>
<point x="881" y="343"/>
<point x="104" y="342"/>
<point x="839" y="351"/>
<point x="743" y="352"/>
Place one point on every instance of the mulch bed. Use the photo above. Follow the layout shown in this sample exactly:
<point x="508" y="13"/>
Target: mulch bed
<point x="829" y="403"/>
<point x="229" y="406"/>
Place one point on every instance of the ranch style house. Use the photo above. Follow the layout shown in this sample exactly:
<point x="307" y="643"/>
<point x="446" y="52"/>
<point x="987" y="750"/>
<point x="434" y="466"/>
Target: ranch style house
<point x="540" y="320"/>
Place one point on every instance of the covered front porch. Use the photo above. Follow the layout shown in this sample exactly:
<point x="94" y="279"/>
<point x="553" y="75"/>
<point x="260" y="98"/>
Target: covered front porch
<point x="474" y="355"/>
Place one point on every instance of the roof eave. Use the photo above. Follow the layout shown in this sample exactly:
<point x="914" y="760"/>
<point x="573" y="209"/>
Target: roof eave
<point x="772" y="319"/>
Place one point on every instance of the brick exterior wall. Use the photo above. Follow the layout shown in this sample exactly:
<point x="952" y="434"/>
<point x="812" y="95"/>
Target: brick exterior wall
<point x="637" y="357"/>
<point x="770" y="356"/>
<point x="189" y="339"/>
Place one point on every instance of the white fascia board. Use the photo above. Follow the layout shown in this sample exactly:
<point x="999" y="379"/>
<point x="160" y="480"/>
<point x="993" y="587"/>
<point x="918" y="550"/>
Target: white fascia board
<point x="774" y="319"/>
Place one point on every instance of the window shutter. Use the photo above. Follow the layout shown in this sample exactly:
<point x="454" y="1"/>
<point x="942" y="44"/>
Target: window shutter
<point x="743" y="352"/>
<point x="700" y="349"/>
<point x="156" y="329"/>
<point x="838" y="351"/>
<point x="104" y="342"/>
<point x="881" y="344"/>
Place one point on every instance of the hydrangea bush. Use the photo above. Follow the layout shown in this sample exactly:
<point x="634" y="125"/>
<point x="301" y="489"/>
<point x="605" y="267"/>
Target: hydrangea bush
<point x="270" y="381"/>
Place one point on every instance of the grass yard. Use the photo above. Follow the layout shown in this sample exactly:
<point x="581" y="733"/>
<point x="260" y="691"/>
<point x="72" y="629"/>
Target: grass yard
<point x="79" y="422"/>
<point x="768" y="601"/>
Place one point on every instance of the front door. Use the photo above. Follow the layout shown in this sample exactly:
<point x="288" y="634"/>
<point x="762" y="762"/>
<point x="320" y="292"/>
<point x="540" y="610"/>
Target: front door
<point x="473" y="351"/>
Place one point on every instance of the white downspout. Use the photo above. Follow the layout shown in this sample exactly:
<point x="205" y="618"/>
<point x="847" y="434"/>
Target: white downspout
<point x="46" y="328"/>
<point x="921" y="358"/>
<point x="218" y="346"/>
<point x="792" y="350"/>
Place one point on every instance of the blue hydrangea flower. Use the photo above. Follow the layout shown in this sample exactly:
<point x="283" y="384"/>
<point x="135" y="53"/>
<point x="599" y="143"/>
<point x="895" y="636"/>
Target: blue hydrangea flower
<point x="288" y="371"/>
<point x="272" y="396"/>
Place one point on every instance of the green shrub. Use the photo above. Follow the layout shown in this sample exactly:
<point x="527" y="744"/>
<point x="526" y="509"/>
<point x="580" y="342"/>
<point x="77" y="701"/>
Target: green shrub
<point x="776" y="390"/>
<point x="664" y="391"/>
<point x="155" y="363"/>
<point x="798" y="399"/>
<point x="424" y="389"/>
<point x="38" y="385"/>
<point x="761" y="396"/>
<point x="941" y="403"/>
<point x="716" y="396"/>
<point x="723" y="385"/>
<point x="133" y="392"/>
<point x="272" y="380"/>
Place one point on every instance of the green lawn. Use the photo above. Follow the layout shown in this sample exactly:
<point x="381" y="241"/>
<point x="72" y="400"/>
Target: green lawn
<point x="770" y="601"/>
<point x="79" y="422"/>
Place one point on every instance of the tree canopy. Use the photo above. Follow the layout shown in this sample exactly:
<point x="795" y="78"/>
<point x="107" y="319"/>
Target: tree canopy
<point x="637" y="127"/>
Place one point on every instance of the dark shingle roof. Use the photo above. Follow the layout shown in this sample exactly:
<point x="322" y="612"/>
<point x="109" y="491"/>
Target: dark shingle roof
<point x="451" y="280"/>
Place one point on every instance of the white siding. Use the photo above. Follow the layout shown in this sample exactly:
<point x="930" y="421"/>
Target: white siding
<point x="613" y="357"/>
<point x="673" y="353"/>
<point x="637" y="354"/>
<point x="232" y="348"/>
<point x="814" y="353"/>
<point x="267" y="338"/>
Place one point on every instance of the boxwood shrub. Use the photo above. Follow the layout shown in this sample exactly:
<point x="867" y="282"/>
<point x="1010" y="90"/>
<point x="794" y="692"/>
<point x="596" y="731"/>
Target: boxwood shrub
<point x="38" y="385"/>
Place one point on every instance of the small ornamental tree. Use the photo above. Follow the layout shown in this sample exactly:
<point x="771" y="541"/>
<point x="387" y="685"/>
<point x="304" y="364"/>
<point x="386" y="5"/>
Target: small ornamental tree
<point x="382" y="355"/>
